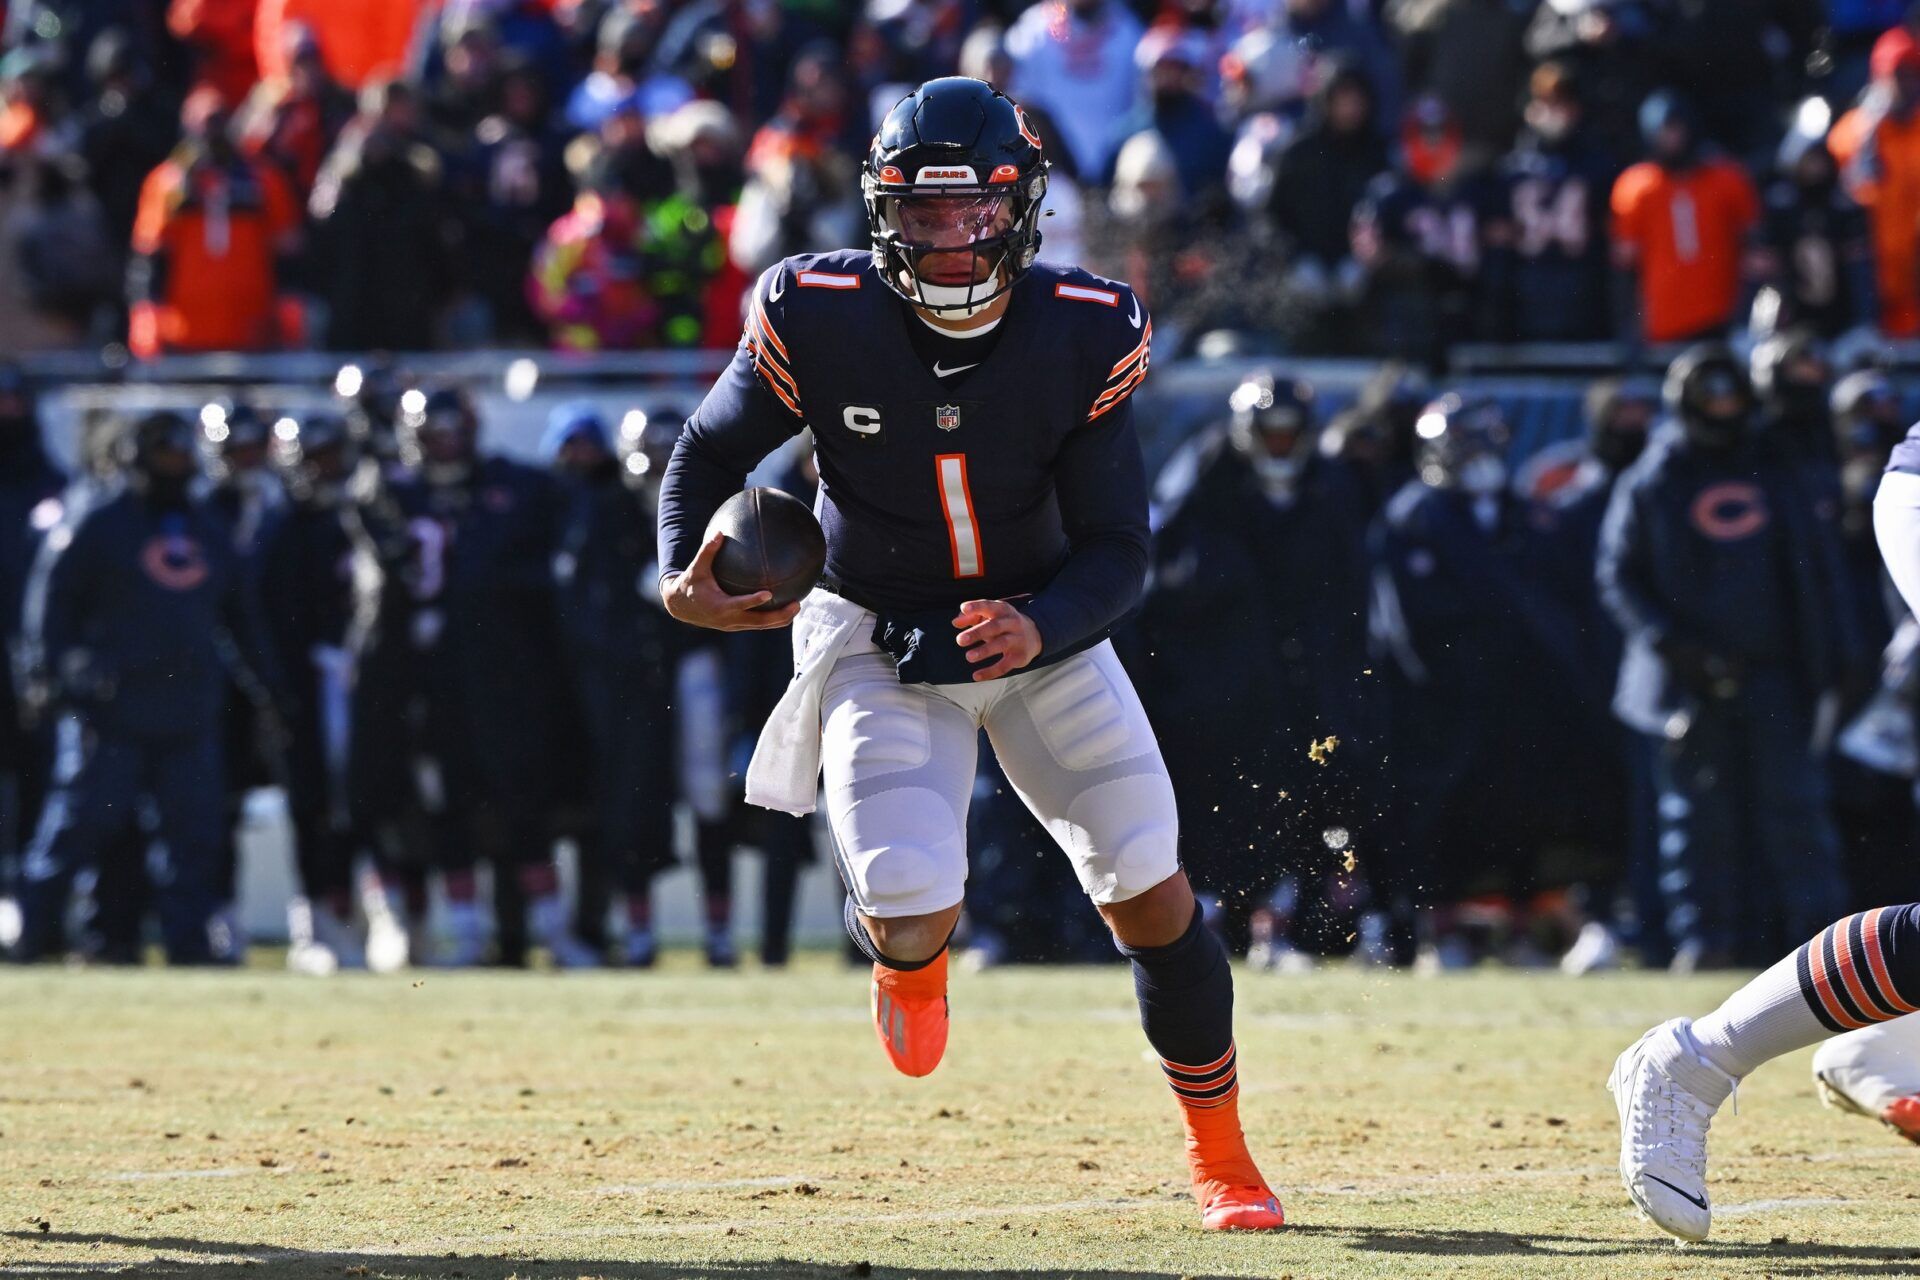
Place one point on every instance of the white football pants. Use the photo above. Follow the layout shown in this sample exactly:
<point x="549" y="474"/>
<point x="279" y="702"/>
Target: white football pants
<point x="898" y="763"/>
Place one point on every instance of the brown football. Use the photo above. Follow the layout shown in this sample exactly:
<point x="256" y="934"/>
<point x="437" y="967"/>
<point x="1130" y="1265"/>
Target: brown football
<point x="773" y="544"/>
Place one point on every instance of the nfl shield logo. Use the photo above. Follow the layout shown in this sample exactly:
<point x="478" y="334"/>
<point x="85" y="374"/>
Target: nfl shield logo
<point x="947" y="417"/>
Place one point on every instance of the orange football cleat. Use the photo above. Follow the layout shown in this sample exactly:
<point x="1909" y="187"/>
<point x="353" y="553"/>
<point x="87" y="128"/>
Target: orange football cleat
<point x="1232" y="1194"/>
<point x="910" y="1015"/>
<point x="1903" y="1117"/>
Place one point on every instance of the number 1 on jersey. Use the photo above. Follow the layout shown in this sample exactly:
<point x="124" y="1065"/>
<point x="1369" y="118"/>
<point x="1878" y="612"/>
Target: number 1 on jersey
<point x="956" y="503"/>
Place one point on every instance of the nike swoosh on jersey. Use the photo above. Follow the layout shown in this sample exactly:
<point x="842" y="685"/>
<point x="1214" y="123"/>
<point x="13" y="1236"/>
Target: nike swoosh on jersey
<point x="1134" y="319"/>
<point x="938" y="372"/>
<point x="779" y="287"/>
<point x="1690" y="1199"/>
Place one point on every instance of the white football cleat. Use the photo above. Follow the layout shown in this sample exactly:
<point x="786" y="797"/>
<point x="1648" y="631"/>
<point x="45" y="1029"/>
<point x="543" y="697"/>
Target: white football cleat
<point x="1667" y="1093"/>
<point x="1874" y="1072"/>
<point x="1594" y="950"/>
<point x="389" y="948"/>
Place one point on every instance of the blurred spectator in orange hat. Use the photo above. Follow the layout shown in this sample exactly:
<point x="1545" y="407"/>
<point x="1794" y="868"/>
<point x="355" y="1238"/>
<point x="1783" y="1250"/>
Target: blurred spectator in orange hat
<point x="292" y="121"/>
<point x="220" y="33"/>
<point x="1877" y="145"/>
<point x="210" y="243"/>
<point x="360" y="39"/>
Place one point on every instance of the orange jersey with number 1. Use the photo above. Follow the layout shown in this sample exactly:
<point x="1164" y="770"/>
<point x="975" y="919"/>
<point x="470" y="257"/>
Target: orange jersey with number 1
<point x="1685" y="232"/>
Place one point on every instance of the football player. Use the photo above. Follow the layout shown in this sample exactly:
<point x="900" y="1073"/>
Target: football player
<point x="1852" y="981"/>
<point x="985" y="509"/>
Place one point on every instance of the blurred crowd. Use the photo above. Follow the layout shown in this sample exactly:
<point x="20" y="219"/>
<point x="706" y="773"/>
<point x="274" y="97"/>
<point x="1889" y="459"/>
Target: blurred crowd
<point x="448" y="662"/>
<point x="1425" y="702"/>
<point x="1647" y="691"/>
<point x="1372" y="177"/>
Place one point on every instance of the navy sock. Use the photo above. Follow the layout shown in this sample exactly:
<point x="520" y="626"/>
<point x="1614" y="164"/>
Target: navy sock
<point x="1185" y="991"/>
<point x="864" y="941"/>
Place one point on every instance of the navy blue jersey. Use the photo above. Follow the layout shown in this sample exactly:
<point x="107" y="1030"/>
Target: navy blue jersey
<point x="1552" y="257"/>
<point x="1442" y="224"/>
<point x="1822" y="257"/>
<point x="1019" y="476"/>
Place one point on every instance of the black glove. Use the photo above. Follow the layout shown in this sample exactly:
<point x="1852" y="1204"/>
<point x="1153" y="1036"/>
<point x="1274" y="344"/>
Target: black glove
<point x="1701" y="671"/>
<point x="82" y="681"/>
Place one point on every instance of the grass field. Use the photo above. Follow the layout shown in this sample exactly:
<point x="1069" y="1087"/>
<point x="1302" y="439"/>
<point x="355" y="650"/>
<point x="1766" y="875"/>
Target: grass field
<point x="680" y="1123"/>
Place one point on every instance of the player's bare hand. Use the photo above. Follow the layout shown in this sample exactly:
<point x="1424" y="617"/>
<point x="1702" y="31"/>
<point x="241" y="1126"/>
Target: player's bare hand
<point x="995" y="633"/>
<point x="694" y="597"/>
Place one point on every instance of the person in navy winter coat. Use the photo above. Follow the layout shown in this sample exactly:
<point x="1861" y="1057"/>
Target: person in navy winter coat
<point x="1725" y="574"/>
<point x="136" y="614"/>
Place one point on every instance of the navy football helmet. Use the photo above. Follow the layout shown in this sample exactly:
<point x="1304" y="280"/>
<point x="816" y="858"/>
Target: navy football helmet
<point x="439" y="431"/>
<point x="953" y="185"/>
<point x="314" y="447"/>
<point x="1463" y="444"/>
<point x="1708" y="390"/>
<point x="234" y="436"/>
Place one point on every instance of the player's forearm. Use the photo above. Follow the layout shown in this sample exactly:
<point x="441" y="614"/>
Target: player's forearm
<point x="1101" y="580"/>
<point x="695" y="484"/>
<point x="737" y="425"/>
<point x="1101" y="483"/>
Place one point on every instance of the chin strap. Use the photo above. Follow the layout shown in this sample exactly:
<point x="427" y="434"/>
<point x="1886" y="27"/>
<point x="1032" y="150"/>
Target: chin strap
<point x="950" y="301"/>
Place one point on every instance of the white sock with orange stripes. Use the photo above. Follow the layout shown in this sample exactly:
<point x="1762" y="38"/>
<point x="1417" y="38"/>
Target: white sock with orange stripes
<point x="1856" y="972"/>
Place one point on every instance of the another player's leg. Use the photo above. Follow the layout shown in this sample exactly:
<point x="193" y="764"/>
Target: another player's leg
<point x="897" y="765"/>
<point x="1874" y="1072"/>
<point x="1861" y="971"/>
<point x="1076" y="746"/>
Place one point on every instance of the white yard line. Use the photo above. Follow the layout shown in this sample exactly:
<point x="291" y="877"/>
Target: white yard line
<point x="168" y="1175"/>
<point x="1774" y="1206"/>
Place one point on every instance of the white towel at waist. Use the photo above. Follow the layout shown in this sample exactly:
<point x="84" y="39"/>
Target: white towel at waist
<point x="785" y="771"/>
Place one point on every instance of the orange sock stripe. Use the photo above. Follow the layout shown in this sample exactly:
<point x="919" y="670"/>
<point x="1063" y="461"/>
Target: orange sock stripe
<point x="1877" y="963"/>
<point x="1197" y="1077"/>
<point x="1208" y="1104"/>
<point x="1823" y="984"/>
<point x="1218" y="1062"/>
<point x="1207" y="1092"/>
<point x="1851" y="975"/>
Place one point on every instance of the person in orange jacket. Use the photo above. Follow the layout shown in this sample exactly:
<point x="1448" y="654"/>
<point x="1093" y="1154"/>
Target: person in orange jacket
<point x="210" y="236"/>
<point x="1680" y="223"/>
<point x="1877" y="145"/>
<point x="362" y="40"/>
<point x="220" y="33"/>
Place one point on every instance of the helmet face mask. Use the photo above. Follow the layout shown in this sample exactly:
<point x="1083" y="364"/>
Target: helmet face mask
<point x="953" y="185"/>
<point x="439" y="432"/>
<point x="1463" y="445"/>
<point x="1273" y="427"/>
